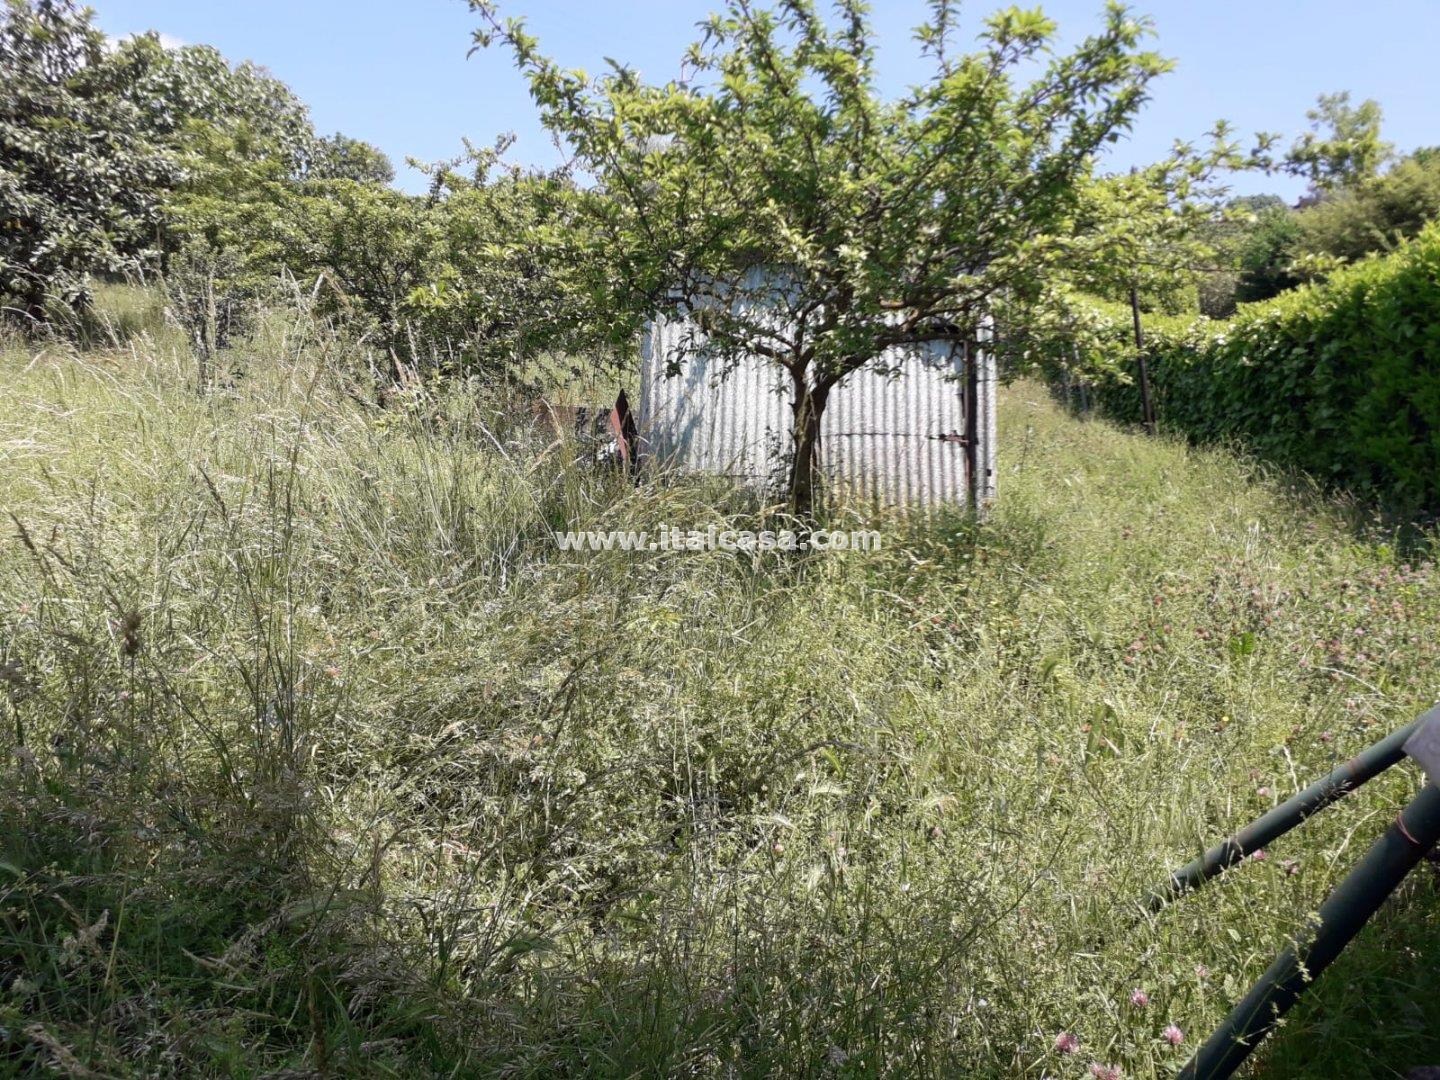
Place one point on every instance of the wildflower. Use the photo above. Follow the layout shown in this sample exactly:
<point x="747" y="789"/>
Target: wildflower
<point x="1201" y="971"/>
<point x="1066" y="1043"/>
<point x="1104" y="1072"/>
<point x="1173" y="1035"/>
<point x="1263" y="792"/>
<point x="1139" y="998"/>
<point x="1259" y="855"/>
<point x="332" y="671"/>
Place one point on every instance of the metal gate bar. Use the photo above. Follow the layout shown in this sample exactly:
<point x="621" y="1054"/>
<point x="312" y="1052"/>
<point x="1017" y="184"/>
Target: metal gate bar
<point x="1289" y="814"/>
<point x="1415" y="831"/>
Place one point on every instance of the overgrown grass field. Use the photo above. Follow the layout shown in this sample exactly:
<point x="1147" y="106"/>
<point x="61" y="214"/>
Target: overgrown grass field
<point x="319" y="758"/>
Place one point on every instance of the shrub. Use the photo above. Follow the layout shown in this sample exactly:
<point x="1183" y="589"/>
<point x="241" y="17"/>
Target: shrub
<point x="211" y="298"/>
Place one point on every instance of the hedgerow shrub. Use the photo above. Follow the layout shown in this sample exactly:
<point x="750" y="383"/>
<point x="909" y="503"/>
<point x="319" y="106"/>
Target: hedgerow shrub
<point x="1341" y="379"/>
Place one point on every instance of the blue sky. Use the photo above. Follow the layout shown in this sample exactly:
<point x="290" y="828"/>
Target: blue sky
<point x="397" y="75"/>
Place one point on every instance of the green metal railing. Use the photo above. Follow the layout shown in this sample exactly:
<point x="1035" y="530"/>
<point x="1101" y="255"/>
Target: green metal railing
<point x="1415" y="831"/>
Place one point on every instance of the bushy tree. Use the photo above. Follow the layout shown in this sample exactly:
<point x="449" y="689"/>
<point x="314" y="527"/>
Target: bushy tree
<point x="1152" y="232"/>
<point x="875" y="223"/>
<point x="1141" y="235"/>
<point x="80" y="176"/>
<point x="1146" y="239"/>
<point x="1267" y="253"/>
<point x="497" y="288"/>
<point x="339" y="157"/>
<point x="1343" y="146"/>
<point x="1286" y="247"/>
<point x="1375" y="215"/>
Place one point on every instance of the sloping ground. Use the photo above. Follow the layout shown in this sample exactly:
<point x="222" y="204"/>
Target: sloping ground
<point x="320" y="757"/>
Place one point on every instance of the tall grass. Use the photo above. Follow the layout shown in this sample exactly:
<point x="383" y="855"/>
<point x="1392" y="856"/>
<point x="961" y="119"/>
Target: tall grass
<point x="320" y="758"/>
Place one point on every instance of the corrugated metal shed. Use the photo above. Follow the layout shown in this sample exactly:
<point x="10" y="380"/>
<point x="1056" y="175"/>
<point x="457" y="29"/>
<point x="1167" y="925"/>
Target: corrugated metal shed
<point x="904" y="439"/>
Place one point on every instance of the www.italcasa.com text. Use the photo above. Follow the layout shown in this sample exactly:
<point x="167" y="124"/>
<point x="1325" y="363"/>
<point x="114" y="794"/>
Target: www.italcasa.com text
<point x="715" y="538"/>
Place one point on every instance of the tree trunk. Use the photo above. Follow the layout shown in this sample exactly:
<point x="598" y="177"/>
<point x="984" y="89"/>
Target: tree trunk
<point x="35" y="308"/>
<point x="1147" y="403"/>
<point x="208" y="334"/>
<point x="806" y="407"/>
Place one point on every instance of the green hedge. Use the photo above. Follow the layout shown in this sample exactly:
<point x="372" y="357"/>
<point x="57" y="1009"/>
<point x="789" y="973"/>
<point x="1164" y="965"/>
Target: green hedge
<point x="1340" y="379"/>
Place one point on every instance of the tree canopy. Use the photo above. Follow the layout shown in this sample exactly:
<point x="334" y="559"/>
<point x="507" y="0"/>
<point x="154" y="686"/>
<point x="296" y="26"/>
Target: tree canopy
<point x="180" y="89"/>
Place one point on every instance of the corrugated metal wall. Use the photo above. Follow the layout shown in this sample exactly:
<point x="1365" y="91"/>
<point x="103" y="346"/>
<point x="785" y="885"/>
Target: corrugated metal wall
<point x="880" y="435"/>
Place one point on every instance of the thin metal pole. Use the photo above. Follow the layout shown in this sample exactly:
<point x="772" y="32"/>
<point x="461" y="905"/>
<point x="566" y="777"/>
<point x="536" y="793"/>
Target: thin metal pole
<point x="1414" y="832"/>
<point x="1289" y="814"/>
<point x="973" y="486"/>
